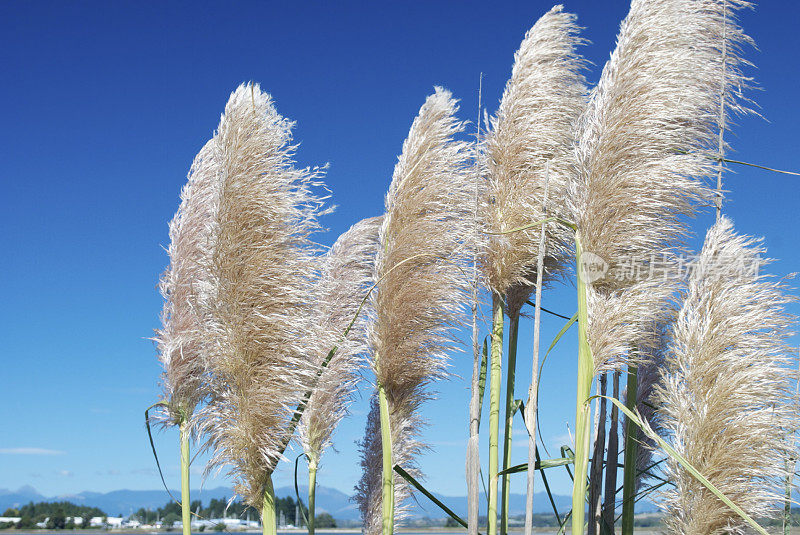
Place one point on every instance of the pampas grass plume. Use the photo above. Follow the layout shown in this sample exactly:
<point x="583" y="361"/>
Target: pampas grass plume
<point x="422" y="269"/>
<point x="180" y="340"/>
<point x="533" y="128"/>
<point x="347" y="275"/>
<point x="263" y="266"/>
<point x="727" y="400"/>
<point x="647" y="143"/>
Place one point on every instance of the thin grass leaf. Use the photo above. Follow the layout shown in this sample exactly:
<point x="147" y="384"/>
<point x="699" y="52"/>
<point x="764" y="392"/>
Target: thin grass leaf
<point x="540" y="465"/>
<point x="417" y="485"/>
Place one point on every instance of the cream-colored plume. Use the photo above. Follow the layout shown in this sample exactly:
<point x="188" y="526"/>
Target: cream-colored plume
<point x="422" y="270"/>
<point x="262" y="269"/>
<point x="727" y="401"/>
<point x="406" y="425"/>
<point x="647" y="143"/>
<point x="347" y="275"/>
<point x="181" y="339"/>
<point x="532" y="131"/>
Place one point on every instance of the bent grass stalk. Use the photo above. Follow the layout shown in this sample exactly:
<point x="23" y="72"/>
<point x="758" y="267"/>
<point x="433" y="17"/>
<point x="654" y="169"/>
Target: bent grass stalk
<point x="496" y="376"/>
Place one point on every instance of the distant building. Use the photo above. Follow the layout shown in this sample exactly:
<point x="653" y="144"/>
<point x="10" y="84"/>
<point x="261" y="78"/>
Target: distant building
<point x="12" y="519"/>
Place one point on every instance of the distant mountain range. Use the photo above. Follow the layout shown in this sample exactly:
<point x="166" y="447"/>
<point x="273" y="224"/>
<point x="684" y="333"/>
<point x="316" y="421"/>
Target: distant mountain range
<point x="329" y="500"/>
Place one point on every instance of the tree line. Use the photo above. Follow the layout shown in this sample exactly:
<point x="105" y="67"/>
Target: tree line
<point x="58" y="515"/>
<point x="286" y="508"/>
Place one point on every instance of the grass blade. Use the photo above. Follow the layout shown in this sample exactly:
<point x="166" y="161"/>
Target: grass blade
<point x="417" y="485"/>
<point x="540" y="465"/>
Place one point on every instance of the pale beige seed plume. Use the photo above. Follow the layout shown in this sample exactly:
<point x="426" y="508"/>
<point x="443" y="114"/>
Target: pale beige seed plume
<point x="533" y="129"/>
<point x="422" y="269"/>
<point x="405" y="425"/>
<point x="263" y="267"/>
<point x="347" y="276"/>
<point x="181" y="338"/>
<point x="647" y="144"/>
<point x="727" y="397"/>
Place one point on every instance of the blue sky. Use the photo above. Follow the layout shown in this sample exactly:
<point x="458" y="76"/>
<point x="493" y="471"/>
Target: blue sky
<point x="107" y="103"/>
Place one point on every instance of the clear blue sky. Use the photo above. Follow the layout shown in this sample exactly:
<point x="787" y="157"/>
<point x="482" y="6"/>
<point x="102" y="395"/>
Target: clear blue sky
<point x="107" y="103"/>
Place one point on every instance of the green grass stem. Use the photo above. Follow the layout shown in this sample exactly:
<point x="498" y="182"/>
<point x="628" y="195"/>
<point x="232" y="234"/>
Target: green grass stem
<point x="269" y="525"/>
<point x="513" y="333"/>
<point x="312" y="494"/>
<point x="583" y="408"/>
<point x="673" y="453"/>
<point x="496" y="377"/>
<point x="387" y="481"/>
<point x="186" y="512"/>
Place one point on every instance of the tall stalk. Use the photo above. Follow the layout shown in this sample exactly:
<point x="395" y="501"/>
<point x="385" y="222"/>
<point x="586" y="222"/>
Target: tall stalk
<point x="509" y="419"/>
<point x="787" y="504"/>
<point x="186" y="512"/>
<point x="473" y="446"/>
<point x="532" y="407"/>
<point x="312" y="493"/>
<point x="495" y="380"/>
<point x="583" y="409"/>
<point x="631" y="453"/>
<point x="596" y="479"/>
<point x="610" y="493"/>
<point x="269" y="525"/>
<point x="387" y="480"/>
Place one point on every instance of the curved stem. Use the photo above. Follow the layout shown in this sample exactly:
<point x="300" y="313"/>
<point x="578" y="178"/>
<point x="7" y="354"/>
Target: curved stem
<point x="387" y="493"/>
<point x="186" y="512"/>
<point x="496" y="377"/>
<point x="509" y="420"/>
<point x="268" y="524"/>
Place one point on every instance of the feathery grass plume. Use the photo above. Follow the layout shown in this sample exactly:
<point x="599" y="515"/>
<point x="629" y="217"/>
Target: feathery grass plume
<point x="533" y="127"/>
<point x="405" y="426"/>
<point x="422" y="269"/>
<point x="727" y="390"/>
<point x="368" y="489"/>
<point x="646" y="146"/>
<point x="263" y="266"/>
<point x="347" y="275"/>
<point x="648" y="140"/>
<point x="180" y="340"/>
